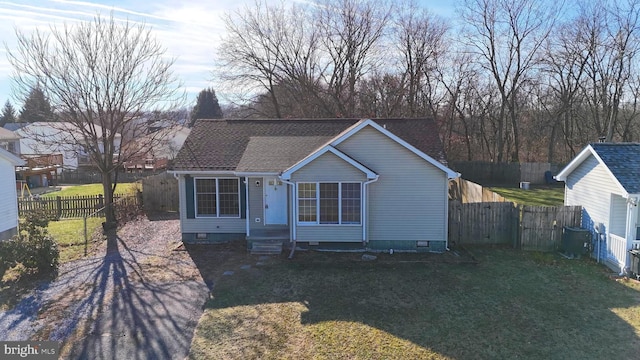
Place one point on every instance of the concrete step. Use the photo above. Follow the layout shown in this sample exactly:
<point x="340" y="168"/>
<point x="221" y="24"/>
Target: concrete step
<point x="266" y="248"/>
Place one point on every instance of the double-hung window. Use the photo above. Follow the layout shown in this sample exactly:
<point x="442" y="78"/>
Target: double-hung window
<point x="217" y="197"/>
<point x="337" y="203"/>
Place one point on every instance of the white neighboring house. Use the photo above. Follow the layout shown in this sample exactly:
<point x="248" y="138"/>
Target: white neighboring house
<point x="173" y="142"/>
<point x="10" y="141"/>
<point x="168" y="142"/>
<point x="8" y="195"/>
<point x="46" y="138"/>
<point x="604" y="179"/>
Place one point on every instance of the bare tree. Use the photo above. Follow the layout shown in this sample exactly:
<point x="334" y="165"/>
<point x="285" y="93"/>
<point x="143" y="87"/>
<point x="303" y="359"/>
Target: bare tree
<point x="506" y="35"/>
<point x="99" y="76"/>
<point x="564" y="62"/>
<point x="269" y="49"/>
<point x="420" y="38"/>
<point x="611" y="32"/>
<point x="349" y="30"/>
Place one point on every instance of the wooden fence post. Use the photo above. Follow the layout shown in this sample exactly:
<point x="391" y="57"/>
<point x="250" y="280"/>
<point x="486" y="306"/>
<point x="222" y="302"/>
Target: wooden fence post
<point x="517" y="224"/>
<point x="58" y="207"/>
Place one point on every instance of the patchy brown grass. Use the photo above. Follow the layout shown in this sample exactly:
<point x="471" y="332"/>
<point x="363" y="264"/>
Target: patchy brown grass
<point x="510" y="305"/>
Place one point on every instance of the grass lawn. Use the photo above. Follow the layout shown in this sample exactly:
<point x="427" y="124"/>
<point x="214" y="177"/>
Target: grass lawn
<point x="510" y="305"/>
<point x="537" y="195"/>
<point x="69" y="234"/>
<point x="92" y="189"/>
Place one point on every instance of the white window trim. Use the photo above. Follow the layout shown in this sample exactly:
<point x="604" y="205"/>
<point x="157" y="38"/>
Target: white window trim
<point x="217" y="215"/>
<point x="317" y="222"/>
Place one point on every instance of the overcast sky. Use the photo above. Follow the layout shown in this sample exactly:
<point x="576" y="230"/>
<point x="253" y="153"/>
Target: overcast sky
<point x="188" y="29"/>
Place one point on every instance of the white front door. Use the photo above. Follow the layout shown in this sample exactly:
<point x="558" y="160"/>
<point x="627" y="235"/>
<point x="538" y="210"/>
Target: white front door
<point x="275" y="202"/>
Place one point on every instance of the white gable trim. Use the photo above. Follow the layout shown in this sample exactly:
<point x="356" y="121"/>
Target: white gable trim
<point x="286" y="175"/>
<point x="368" y="122"/>
<point x="579" y="159"/>
<point x="14" y="160"/>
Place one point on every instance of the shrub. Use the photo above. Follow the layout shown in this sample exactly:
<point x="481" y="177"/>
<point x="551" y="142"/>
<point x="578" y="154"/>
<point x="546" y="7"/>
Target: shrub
<point x="8" y="255"/>
<point x="34" y="248"/>
<point x="39" y="251"/>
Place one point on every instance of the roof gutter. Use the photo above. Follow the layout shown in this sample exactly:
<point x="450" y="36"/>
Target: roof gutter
<point x="248" y="174"/>
<point x="202" y="172"/>
<point x="223" y="172"/>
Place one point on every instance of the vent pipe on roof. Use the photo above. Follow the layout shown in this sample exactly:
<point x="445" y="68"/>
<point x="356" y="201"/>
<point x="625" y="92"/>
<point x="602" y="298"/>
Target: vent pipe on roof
<point x="601" y="139"/>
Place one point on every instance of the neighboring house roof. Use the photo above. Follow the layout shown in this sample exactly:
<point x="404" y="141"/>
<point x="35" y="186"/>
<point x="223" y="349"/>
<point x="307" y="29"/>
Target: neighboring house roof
<point x="8" y="135"/>
<point x="14" y="160"/>
<point x="14" y="126"/>
<point x="622" y="160"/>
<point x="236" y="144"/>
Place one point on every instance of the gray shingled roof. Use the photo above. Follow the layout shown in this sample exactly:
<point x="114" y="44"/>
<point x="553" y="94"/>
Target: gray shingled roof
<point x="276" y="153"/>
<point x="623" y="159"/>
<point x="235" y="144"/>
<point x="14" y="126"/>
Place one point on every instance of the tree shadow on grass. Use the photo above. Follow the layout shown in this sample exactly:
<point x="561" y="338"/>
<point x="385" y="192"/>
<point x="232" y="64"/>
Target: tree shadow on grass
<point x="508" y="306"/>
<point x="122" y="315"/>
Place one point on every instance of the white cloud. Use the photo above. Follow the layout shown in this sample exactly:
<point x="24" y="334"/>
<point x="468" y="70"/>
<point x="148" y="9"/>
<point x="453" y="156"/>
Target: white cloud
<point x="190" y="31"/>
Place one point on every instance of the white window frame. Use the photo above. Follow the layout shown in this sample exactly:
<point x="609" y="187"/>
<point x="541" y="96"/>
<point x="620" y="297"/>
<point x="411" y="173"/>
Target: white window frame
<point x="217" y="214"/>
<point x="317" y="222"/>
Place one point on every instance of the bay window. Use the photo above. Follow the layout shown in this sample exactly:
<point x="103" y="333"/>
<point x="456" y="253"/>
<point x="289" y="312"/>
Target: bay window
<point x="337" y="203"/>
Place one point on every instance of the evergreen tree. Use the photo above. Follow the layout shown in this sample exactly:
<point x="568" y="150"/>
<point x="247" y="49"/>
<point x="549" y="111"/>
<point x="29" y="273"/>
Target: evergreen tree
<point x="207" y="107"/>
<point x="8" y="114"/>
<point x="36" y="108"/>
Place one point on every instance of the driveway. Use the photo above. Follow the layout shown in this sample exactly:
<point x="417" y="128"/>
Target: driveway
<point x="139" y="300"/>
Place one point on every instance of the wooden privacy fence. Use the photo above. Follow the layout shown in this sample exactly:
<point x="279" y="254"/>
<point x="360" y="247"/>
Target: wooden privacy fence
<point x="534" y="228"/>
<point x="160" y="193"/>
<point x="470" y="192"/>
<point x="68" y="207"/>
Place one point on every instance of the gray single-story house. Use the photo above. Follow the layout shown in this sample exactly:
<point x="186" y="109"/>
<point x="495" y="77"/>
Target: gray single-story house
<point x="604" y="178"/>
<point x="8" y="195"/>
<point x="335" y="183"/>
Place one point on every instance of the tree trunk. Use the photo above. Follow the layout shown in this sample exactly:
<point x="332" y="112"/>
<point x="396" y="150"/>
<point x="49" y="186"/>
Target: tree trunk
<point x="109" y="212"/>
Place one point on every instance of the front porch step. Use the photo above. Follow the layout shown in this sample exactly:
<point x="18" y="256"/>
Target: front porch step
<point x="266" y="248"/>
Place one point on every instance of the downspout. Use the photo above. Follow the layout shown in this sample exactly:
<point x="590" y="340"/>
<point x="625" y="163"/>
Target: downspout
<point x="246" y="199"/>
<point x="364" y="208"/>
<point x="293" y="215"/>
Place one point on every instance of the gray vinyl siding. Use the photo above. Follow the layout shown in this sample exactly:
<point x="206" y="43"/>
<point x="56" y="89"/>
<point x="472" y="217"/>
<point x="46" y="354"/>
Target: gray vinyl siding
<point x="206" y="225"/>
<point x="332" y="233"/>
<point x="591" y="186"/>
<point x="409" y="200"/>
<point x="328" y="167"/>
<point x="618" y="219"/>
<point x="256" y="203"/>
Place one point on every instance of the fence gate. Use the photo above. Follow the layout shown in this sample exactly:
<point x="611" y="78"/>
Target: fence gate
<point x="160" y="193"/>
<point x="535" y="228"/>
<point x="541" y="226"/>
<point x="482" y="223"/>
